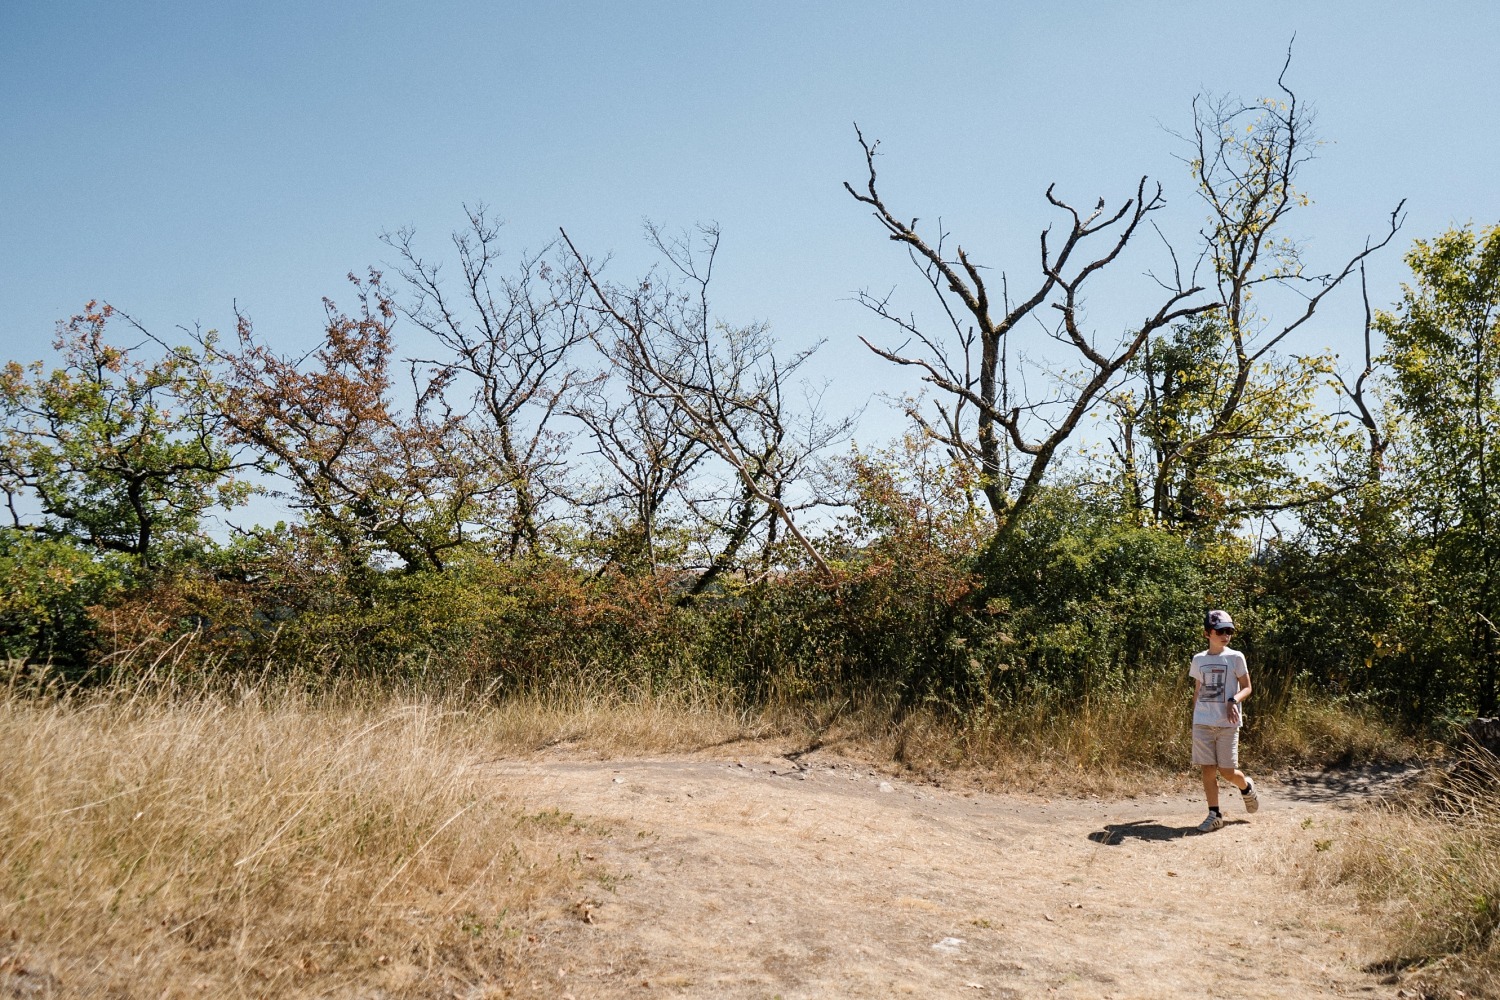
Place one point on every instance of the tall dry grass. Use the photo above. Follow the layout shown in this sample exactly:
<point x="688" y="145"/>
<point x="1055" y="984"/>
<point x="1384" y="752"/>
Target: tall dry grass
<point x="168" y="846"/>
<point x="1121" y="742"/>
<point x="1429" y="865"/>
<point x="1106" y="744"/>
<point x="158" y="842"/>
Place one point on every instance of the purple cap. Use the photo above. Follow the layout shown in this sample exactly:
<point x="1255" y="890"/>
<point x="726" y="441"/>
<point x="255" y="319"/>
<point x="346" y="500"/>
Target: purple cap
<point x="1215" y="620"/>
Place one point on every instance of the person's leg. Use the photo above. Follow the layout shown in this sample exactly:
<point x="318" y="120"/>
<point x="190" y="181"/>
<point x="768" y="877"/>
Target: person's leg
<point x="1205" y="755"/>
<point x="1211" y="785"/>
<point x="1229" y="767"/>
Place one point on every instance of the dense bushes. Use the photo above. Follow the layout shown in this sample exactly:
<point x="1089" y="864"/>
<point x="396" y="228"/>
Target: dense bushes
<point x="46" y="590"/>
<point x="1082" y="607"/>
<point x="1096" y="598"/>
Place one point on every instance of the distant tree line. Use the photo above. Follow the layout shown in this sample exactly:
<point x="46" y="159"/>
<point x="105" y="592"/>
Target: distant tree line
<point x="565" y="478"/>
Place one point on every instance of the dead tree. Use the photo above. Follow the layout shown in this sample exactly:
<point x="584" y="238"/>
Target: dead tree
<point x="512" y="340"/>
<point x="647" y="442"/>
<point x="727" y="384"/>
<point x="1378" y="437"/>
<point x="984" y="417"/>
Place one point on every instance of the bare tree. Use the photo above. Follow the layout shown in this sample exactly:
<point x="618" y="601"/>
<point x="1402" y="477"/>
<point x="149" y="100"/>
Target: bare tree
<point x="1377" y="434"/>
<point x="647" y="441"/>
<point x="513" y="339"/>
<point x="984" y="417"/>
<point x="727" y="384"/>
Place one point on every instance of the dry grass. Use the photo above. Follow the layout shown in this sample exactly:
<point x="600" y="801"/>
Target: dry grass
<point x="1314" y="732"/>
<point x="245" y="844"/>
<point x="1106" y="745"/>
<point x="1117" y="744"/>
<point x="1429" y="865"/>
<point x="201" y="847"/>
<point x="629" y="724"/>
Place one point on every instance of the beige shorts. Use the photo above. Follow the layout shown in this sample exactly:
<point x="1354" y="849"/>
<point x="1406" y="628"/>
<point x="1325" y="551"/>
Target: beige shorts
<point x="1216" y="745"/>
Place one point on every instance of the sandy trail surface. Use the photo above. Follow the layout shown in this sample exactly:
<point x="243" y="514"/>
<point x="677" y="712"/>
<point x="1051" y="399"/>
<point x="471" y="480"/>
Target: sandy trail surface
<point x="768" y="877"/>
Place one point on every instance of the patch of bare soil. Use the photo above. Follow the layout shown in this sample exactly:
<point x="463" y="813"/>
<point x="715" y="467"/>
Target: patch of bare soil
<point x="768" y="877"/>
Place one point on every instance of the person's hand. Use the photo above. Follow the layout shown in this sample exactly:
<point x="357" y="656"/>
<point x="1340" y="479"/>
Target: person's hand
<point x="1234" y="712"/>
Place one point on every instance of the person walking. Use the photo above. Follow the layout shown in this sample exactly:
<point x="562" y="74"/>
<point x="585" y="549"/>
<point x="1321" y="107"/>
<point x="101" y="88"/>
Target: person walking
<point x="1221" y="687"/>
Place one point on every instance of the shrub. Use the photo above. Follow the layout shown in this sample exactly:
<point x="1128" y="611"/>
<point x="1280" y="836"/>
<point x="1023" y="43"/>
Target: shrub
<point x="1093" y="600"/>
<point x="46" y="589"/>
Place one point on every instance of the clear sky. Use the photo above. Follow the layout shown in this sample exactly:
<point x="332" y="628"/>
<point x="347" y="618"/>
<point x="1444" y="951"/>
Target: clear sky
<point x="178" y="158"/>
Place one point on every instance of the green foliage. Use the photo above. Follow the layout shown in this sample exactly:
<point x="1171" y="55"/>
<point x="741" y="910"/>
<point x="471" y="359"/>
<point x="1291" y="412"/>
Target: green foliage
<point x="1208" y="437"/>
<point x="1348" y="605"/>
<point x="118" y="452"/>
<point x="46" y="589"/>
<point x="1443" y="346"/>
<point x="1093" y="599"/>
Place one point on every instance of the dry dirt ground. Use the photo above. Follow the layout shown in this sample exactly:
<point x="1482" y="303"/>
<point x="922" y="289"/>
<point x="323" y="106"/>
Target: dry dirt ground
<point x="769" y="877"/>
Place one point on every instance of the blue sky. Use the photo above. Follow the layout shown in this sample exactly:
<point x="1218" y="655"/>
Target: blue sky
<point x="175" y="159"/>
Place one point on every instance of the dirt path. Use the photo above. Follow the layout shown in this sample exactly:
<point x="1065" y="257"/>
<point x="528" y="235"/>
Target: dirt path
<point x="766" y="878"/>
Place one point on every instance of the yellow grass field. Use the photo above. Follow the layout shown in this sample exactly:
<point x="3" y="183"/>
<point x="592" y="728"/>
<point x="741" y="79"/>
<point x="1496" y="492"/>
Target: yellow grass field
<point x="151" y="847"/>
<point x="247" y="844"/>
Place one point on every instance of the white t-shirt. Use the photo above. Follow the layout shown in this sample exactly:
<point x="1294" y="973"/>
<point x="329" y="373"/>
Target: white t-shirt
<point x="1220" y="675"/>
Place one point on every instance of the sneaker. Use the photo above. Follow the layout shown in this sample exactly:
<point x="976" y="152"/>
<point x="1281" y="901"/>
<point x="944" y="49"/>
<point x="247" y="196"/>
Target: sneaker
<point x="1251" y="797"/>
<point x="1214" y="822"/>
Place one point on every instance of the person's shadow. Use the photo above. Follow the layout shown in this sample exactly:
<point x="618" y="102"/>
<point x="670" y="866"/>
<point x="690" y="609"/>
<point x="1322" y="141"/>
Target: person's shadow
<point x="1114" y="834"/>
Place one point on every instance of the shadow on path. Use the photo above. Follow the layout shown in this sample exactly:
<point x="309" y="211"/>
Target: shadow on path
<point x="1114" y="834"/>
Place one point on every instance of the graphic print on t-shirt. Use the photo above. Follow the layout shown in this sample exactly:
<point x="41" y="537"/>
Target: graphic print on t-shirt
<point x="1220" y="677"/>
<point x="1214" y="677"/>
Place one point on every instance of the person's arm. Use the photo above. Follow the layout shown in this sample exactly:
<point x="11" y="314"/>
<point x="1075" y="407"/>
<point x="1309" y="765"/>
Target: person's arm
<point x="1240" y="697"/>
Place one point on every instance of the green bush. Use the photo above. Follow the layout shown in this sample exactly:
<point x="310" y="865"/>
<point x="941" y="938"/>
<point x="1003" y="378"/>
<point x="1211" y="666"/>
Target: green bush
<point x="46" y="589"/>
<point x="1094" y="600"/>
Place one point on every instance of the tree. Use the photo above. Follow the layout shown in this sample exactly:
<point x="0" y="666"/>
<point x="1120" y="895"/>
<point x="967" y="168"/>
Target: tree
<point x="1230" y="418"/>
<point x="378" y="482"/>
<point x="1204" y="380"/>
<point x="645" y="439"/>
<point x="1443" y="347"/>
<point x="728" y="386"/>
<point x="120" y="452"/>
<point x="511" y="341"/>
<point x="1189" y="461"/>
<point x="1374" y="423"/>
<point x="985" y="416"/>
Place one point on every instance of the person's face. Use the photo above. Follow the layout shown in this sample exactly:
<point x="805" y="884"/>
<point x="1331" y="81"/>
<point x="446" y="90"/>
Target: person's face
<point x="1219" y="638"/>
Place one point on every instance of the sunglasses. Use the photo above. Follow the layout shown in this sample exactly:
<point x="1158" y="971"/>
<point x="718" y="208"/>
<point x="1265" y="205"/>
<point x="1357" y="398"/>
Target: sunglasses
<point x="1224" y="631"/>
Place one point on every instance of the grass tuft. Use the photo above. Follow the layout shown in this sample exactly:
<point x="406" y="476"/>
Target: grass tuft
<point x="1430" y="864"/>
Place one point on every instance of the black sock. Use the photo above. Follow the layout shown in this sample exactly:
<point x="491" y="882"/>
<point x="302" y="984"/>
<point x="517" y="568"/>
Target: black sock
<point x="1214" y="810"/>
<point x="1249" y="787"/>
